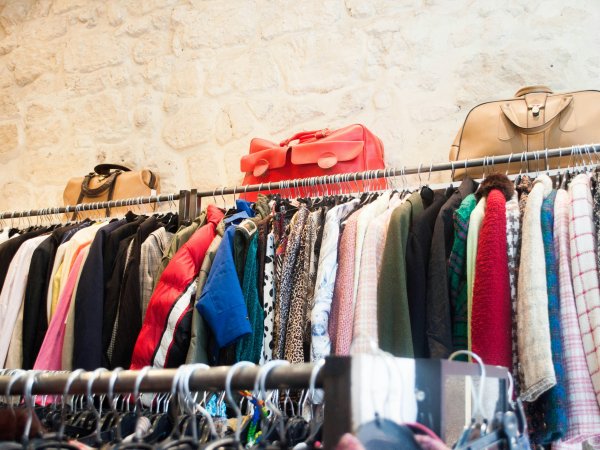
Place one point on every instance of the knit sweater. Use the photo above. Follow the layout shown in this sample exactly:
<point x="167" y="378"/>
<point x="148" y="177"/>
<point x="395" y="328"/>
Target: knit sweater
<point x="491" y="317"/>
<point x="533" y="328"/>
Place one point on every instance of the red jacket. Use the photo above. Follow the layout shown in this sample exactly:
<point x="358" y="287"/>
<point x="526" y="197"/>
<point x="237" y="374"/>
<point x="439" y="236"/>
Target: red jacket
<point x="491" y="313"/>
<point x="165" y="335"/>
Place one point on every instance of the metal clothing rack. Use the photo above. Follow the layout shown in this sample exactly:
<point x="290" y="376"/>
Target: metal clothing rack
<point x="432" y="389"/>
<point x="185" y="196"/>
<point x="334" y="378"/>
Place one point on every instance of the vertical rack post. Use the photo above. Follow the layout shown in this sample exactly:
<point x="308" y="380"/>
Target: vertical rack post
<point x="193" y="204"/>
<point x="184" y="197"/>
<point x="337" y="375"/>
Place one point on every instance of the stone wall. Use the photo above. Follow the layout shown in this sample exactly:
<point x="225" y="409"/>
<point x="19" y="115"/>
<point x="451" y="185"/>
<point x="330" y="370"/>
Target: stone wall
<point x="182" y="86"/>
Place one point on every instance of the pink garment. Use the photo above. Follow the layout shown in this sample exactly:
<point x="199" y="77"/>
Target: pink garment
<point x="342" y="310"/>
<point x="50" y="355"/>
<point x="583" y="413"/>
<point x="349" y="442"/>
<point x="365" y="311"/>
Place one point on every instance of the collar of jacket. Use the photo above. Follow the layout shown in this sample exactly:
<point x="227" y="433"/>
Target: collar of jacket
<point x="261" y="207"/>
<point x="213" y="214"/>
<point x="468" y="186"/>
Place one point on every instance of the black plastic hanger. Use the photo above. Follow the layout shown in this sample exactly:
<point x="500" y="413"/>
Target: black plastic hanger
<point x="384" y="434"/>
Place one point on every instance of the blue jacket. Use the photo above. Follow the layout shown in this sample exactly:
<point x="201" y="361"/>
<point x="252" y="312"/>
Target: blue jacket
<point x="222" y="302"/>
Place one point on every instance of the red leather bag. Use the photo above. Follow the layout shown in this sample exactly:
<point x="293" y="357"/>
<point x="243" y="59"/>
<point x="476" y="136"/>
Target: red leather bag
<point x="313" y="153"/>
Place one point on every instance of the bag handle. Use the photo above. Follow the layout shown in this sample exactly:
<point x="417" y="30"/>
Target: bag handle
<point x="531" y="89"/>
<point x="104" y="169"/>
<point x="95" y="192"/>
<point x="305" y="135"/>
<point x="86" y="191"/>
<point x="510" y="115"/>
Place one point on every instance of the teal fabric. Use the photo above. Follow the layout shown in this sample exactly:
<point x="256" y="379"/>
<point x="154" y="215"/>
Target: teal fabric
<point x="250" y="346"/>
<point x="553" y="403"/>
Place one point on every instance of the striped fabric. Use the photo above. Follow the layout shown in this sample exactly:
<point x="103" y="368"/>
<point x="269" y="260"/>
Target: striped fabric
<point x="368" y="213"/>
<point x="585" y="274"/>
<point x="583" y="413"/>
<point x="365" y="336"/>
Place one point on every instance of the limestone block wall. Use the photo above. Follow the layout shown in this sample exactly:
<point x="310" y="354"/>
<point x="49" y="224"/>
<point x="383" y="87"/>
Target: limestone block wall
<point x="181" y="86"/>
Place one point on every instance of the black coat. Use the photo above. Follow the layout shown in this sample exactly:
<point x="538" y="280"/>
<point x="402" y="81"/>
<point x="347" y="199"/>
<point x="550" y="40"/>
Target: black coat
<point x="417" y="264"/>
<point x="35" y="311"/>
<point x="439" y="317"/>
<point x="89" y="303"/>
<point x="129" y="312"/>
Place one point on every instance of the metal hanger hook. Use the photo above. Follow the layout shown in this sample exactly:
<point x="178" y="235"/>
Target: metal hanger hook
<point x="185" y="387"/>
<point x="238" y="413"/>
<point x="29" y="403"/>
<point x="313" y="380"/>
<point x="482" y="370"/>
<point x="72" y="377"/>
<point x="508" y="164"/>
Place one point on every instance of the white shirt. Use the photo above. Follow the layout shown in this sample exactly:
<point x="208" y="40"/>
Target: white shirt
<point x="13" y="293"/>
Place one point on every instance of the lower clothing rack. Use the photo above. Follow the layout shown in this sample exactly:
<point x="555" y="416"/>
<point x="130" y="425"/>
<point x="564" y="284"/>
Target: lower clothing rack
<point x="334" y="379"/>
<point x="339" y="377"/>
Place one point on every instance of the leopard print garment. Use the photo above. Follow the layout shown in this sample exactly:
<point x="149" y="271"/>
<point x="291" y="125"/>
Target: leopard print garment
<point x="284" y="290"/>
<point x="269" y="300"/>
<point x="304" y="276"/>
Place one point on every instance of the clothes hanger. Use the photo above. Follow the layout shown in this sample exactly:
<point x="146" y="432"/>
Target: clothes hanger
<point x="274" y="423"/>
<point x="15" y="375"/>
<point x="231" y="442"/>
<point x="95" y="438"/>
<point x="58" y="440"/>
<point x="316" y="399"/>
<point x="112" y="421"/>
<point x="478" y="413"/>
<point x="176" y="439"/>
<point x="511" y="432"/>
<point x="382" y="433"/>
<point x="138" y="439"/>
<point x="190" y="401"/>
<point x="188" y="418"/>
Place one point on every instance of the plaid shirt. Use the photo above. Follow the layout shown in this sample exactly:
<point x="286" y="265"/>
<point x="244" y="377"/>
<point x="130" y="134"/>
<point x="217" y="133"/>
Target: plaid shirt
<point x="365" y="311"/>
<point x="583" y="412"/>
<point x="585" y="273"/>
<point x="457" y="275"/>
<point x="151" y="254"/>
